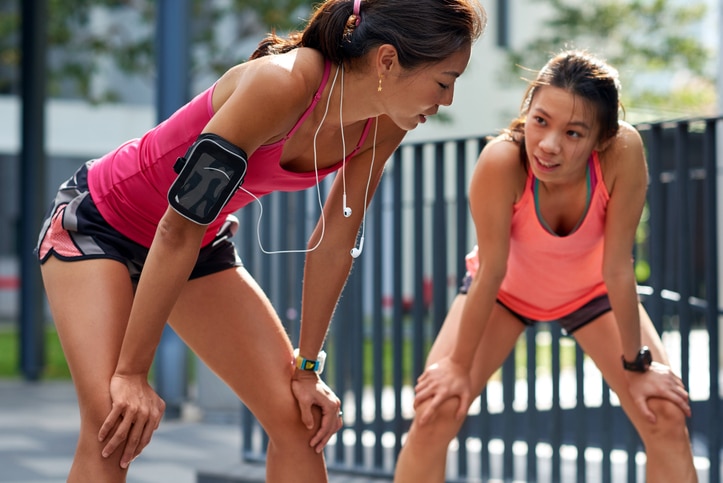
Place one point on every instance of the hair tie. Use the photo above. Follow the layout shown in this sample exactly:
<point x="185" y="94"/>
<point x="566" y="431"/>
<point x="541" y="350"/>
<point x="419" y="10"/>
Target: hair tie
<point x="357" y="8"/>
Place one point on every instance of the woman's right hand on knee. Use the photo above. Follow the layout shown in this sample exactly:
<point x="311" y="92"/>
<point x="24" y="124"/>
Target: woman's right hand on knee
<point x="136" y="411"/>
<point x="441" y="381"/>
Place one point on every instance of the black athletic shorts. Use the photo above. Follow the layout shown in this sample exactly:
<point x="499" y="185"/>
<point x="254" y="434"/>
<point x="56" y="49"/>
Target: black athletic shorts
<point x="570" y="322"/>
<point x="75" y="230"/>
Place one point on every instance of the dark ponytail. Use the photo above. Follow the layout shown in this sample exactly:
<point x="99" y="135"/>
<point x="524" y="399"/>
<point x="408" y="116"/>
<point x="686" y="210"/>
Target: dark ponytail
<point x="421" y="30"/>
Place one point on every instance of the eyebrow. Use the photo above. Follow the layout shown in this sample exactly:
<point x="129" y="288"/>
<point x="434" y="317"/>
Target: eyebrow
<point x="581" y="124"/>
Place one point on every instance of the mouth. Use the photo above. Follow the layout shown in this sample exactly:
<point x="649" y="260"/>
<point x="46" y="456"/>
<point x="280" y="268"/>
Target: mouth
<point x="545" y="165"/>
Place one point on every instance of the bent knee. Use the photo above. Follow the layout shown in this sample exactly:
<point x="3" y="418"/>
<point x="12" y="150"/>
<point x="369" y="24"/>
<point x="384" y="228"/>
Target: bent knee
<point x="443" y="424"/>
<point x="286" y="426"/>
<point x="670" y="420"/>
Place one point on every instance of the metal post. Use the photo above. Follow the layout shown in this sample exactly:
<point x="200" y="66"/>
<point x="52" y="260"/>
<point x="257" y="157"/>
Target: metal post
<point x="32" y="185"/>
<point x="172" y="46"/>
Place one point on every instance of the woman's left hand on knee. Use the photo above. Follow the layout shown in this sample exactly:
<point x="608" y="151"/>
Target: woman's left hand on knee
<point x="309" y="391"/>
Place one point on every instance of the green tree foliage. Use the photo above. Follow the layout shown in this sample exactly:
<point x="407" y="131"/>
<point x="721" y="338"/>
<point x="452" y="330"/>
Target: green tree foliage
<point x="79" y="44"/>
<point x="664" y="67"/>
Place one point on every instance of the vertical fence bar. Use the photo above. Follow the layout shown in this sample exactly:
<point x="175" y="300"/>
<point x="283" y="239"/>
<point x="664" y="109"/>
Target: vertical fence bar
<point x="418" y="308"/>
<point x="581" y="427"/>
<point x="606" y="435"/>
<point x="440" y="250"/>
<point x="533" y="430"/>
<point x="656" y="207"/>
<point x="460" y="248"/>
<point x="397" y="247"/>
<point x="712" y="313"/>
<point x="555" y="412"/>
<point x="682" y="203"/>
<point x="508" y="430"/>
<point x="377" y="324"/>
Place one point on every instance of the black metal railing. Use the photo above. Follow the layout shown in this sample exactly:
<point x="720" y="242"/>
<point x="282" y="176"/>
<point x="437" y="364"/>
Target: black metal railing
<point x="547" y="414"/>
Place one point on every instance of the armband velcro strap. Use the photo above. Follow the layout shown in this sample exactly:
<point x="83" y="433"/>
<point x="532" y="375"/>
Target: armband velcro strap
<point x="210" y="173"/>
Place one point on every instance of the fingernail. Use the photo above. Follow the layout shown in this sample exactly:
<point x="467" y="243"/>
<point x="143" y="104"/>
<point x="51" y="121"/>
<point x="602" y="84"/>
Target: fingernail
<point x="104" y="454"/>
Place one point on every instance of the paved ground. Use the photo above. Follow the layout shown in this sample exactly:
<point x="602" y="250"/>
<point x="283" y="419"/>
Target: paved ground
<point x="38" y="426"/>
<point x="38" y="433"/>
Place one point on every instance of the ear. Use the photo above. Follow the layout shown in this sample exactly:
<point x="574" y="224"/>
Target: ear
<point x="386" y="59"/>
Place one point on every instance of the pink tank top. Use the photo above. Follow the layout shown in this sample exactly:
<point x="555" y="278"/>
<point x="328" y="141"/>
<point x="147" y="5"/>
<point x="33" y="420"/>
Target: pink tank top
<point x="549" y="276"/>
<point x="130" y="184"/>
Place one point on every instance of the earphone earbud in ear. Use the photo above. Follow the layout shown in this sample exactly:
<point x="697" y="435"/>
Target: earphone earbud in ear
<point x="355" y="252"/>
<point x="347" y="210"/>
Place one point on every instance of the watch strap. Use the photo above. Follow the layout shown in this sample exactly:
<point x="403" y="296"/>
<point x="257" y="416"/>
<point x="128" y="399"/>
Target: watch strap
<point x="304" y="364"/>
<point x="641" y="363"/>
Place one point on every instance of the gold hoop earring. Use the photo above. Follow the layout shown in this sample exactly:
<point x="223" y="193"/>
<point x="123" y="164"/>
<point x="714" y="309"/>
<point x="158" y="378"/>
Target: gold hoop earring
<point x="379" y="87"/>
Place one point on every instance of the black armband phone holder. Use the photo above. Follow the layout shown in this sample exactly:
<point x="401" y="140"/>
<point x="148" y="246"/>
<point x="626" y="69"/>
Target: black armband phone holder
<point x="208" y="175"/>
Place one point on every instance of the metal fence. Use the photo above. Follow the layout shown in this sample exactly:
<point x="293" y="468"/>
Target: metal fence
<point x="546" y="415"/>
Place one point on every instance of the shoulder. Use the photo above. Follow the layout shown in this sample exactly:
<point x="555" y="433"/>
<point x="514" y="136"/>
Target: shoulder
<point x="624" y="157"/>
<point x="259" y="101"/>
<point x="499" y="172"/>
<point x="290" y="78"/>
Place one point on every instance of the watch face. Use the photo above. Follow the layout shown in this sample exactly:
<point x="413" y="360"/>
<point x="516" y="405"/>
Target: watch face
<point x="646" y="357"/>
<point x="309" y="365"/>
<point x="641" y="363"/>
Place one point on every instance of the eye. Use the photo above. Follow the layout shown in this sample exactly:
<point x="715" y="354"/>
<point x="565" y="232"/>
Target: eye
<point x="539" y="120"/>
<point x="574" y="134"/>
<point x="443" y="86"/>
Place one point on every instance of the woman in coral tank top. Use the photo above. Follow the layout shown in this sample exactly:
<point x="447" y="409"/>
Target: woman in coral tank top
<point x="556" y="200"/>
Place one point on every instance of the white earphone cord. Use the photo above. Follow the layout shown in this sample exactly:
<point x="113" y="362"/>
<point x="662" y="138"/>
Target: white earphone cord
<point x="355" y="252"/>
<point x="318" y="190"/>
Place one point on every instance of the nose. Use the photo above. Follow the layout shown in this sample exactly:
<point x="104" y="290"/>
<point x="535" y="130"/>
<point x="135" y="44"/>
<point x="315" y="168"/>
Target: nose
<point x="447" y="97"/>
<point x="550" y="142"/>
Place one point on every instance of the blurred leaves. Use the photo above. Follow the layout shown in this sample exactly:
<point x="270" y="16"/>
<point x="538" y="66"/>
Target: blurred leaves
<point x="118" y="35"/>
<point x="664" y="66"/>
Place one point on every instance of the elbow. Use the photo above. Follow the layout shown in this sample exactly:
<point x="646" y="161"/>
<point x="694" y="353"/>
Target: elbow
<point x="492" y="273"/>
<point x="176" y="232"/>
<point x="617" y="275"/>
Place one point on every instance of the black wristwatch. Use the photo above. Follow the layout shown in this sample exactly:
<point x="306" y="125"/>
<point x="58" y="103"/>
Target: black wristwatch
<point x="641" y="363"/>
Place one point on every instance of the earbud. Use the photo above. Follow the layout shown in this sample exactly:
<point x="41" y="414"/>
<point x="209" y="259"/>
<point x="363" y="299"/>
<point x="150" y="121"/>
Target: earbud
<point x="355" y="252"/>
<point x="347" y="210"/>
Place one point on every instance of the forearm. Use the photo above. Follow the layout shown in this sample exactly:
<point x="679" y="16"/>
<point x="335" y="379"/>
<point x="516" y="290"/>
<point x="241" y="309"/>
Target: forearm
<point x="622" y="290"/>
<point x="325" y="273"/>
<point x="477" y="309"/>
<point x="166" y="270"/>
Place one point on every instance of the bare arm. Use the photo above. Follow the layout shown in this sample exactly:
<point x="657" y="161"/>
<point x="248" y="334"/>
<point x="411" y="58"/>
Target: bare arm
<point x="496" y="185"/>
<point x="492" y="194"/>
<point x="625" y="160"/>
<point x="627" y="187"/>
<point x="136" y="410"/>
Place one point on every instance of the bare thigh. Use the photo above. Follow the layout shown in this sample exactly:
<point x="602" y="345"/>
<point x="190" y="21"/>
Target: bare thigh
<point x="90" y="302"/>
<point x="227" y="320"/>
<point x="499" y="338"/>
<point x="601" y="341"/>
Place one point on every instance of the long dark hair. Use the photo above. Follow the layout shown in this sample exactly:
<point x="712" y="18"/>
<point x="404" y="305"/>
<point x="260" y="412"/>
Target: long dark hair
<point x="421" y="30"/>
<point x="583" y="75"/>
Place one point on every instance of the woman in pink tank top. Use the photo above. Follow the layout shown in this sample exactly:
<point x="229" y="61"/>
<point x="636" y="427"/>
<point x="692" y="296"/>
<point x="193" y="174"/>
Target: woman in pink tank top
<point x="556" y="200"/>
<point x="137" y="238"/>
